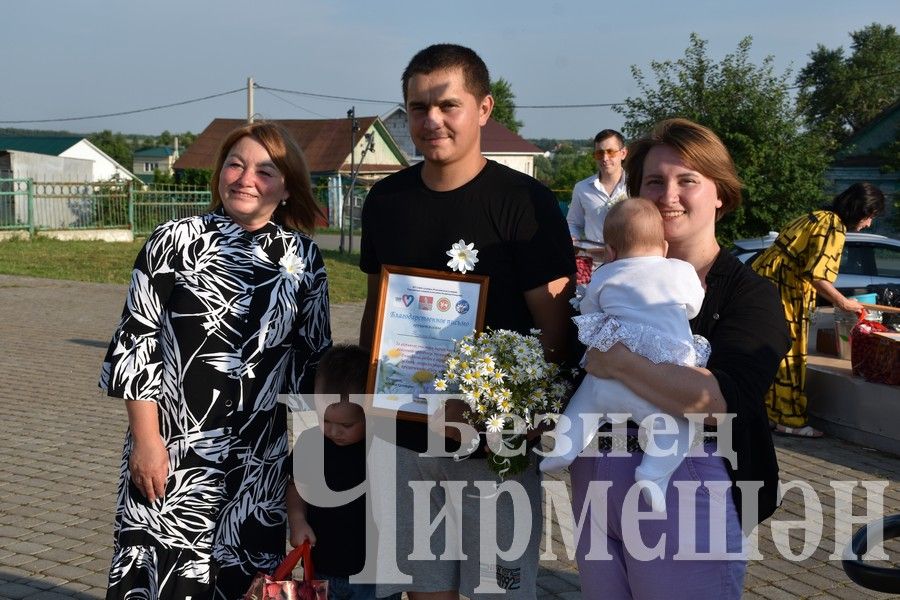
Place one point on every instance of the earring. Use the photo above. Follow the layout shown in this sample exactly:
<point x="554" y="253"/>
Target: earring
<point x="284" y="202"/>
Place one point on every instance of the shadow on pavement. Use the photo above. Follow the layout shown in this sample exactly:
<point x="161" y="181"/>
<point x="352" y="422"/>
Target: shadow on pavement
<point x="28" y="588"/>
<point x="834" y="451"/>
<point x="91" y="343"/>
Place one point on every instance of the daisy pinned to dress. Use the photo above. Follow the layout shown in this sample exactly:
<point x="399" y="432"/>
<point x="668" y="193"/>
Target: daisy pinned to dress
<point x="463" y="257"/>
<point x="291" y="266"/>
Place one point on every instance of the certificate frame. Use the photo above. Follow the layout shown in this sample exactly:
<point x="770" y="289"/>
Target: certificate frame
<point x="420" y="312"/>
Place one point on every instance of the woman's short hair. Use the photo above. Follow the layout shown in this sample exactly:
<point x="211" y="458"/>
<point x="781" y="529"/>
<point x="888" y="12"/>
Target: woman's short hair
<point x="301" y="211"/>
<point x="857" y="203"/>
<point x="699" y="148"/>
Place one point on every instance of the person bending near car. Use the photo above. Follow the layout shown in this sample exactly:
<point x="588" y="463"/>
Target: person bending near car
<point x="803" y="263"/>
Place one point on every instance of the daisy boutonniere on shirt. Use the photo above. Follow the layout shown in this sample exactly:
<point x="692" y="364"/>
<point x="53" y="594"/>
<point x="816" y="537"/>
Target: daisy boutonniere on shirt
<point x="463" y="257"/>
<point x="291" y="266"/>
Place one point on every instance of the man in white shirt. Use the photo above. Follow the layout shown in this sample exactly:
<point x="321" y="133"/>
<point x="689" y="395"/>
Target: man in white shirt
<point x="593" y="197"/>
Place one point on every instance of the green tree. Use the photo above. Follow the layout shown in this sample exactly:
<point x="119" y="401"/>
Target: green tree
<point x="115" y="145"/>
<point x="198" y="177"/>
<point x="748" y="106"/>
<point x="563" y="170"/>
<point x="840" y="93"/>
<point x="164" y="139"/>
<point x="185" y="139"/>
<point x="163" y="178"/>
<point x="505" y="105"/>
<point x="571" y="166"/>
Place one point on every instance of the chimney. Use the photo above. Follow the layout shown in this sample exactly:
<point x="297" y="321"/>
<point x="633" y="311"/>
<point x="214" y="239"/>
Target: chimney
<point x="176" y="147"/>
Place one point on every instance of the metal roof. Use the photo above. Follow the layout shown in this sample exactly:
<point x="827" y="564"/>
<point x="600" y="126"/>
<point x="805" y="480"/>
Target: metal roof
<point x="52" y="145"/>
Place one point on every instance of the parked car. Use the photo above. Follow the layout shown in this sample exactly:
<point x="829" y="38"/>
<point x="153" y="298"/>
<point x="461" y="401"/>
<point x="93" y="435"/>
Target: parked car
<point x="868" y="259"/>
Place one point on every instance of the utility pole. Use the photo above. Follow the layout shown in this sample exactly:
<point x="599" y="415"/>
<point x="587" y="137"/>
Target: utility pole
<point x="369" y="147"/>
<point x="249" y="99"/>
<point x="354" y="127"/>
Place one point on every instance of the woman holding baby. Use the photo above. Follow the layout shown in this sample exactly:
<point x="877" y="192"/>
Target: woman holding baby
<point x="695" y="548"/>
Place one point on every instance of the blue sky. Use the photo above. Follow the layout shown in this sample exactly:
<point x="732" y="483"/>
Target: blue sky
<point x="70" y="58"/>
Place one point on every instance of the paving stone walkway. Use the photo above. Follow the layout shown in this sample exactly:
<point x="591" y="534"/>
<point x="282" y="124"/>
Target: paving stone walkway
<point x="60" y="444"/>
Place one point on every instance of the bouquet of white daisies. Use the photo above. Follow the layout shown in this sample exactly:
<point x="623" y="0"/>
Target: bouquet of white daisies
<point x="509" y="387"/>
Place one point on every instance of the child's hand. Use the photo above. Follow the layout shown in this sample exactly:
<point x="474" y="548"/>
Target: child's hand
<point x="300" y="532"/>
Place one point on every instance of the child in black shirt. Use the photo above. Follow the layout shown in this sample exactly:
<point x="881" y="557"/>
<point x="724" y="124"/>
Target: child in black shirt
<point x="337" y="534"/>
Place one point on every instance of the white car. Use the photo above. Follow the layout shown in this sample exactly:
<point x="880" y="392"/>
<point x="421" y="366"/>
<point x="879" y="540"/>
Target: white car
<point x="867" y="259"/>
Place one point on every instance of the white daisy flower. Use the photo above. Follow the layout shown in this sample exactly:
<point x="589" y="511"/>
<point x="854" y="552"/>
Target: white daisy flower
<point x="495" y="424"/>
<point x="291" y="266"/>
<point x="440" y="385"/>
<point x="550" y="418"/>
<point x="462" y="257"/>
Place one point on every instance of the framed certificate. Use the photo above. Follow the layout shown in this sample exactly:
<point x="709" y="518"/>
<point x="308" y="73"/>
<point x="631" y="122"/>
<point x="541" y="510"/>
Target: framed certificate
<point x="420" y="314"/>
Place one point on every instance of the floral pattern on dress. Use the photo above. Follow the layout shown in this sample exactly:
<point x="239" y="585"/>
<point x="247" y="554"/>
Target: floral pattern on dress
<point x="217" y="322"/>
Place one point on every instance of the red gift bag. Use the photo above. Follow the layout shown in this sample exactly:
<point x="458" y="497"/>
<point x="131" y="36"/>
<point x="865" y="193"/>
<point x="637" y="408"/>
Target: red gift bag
<point x="277" y="587"/>
<point x="874" y="357"/>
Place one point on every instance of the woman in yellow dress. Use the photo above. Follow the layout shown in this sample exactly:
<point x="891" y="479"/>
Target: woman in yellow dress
<point x="802" y="263"/>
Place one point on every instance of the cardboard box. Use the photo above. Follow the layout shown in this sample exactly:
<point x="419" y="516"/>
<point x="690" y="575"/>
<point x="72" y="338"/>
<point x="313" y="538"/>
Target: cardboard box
<point x="826" y="342"/>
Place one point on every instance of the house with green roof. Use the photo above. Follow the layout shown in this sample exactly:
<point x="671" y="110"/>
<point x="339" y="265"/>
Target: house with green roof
<point x="57" y="158"/>
<point x="149" y="160"/>
<point x="65" y="171"/>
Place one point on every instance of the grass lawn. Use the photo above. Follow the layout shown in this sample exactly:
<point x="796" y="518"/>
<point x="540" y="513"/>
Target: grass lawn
<point x="111" y="262"/>
<point x="336" y="231"/>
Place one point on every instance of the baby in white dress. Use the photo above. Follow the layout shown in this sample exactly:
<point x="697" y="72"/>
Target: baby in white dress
<point x="644" y="301"/>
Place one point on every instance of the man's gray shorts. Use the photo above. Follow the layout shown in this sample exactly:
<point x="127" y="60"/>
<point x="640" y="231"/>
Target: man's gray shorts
<point x="455" y="558"/>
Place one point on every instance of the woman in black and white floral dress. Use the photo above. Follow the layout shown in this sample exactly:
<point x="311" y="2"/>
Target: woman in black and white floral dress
<point x="225" y="311"/>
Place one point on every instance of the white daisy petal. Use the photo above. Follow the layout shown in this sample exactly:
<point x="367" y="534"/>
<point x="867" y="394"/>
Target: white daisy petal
<point x="462" y="257"/>
<point x="291" y="266"/>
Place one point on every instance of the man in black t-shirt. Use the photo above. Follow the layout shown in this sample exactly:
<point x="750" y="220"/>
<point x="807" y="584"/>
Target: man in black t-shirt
<point x="411" y="219"/>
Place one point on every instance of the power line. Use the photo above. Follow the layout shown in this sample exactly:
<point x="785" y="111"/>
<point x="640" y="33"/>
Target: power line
<point x="327" y="96"/>
<point x="271" y="93"/>
<point x="271" y="90"/>
<point x="124" y="112"/>
<point x="851" y="80"/>
<point x="600" y="105"/>
<point x="374" y="101"/>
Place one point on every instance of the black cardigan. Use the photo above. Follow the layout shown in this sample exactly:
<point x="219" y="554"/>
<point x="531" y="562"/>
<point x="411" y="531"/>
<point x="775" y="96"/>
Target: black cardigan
<point x="743" y="319"/>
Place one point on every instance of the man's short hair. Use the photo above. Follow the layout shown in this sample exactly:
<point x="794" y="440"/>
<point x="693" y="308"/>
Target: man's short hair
<point x="608" y="133"/>
<point x="440" y="57"/>
<point x="344" y="370"/>
<point x="634" y="223"/>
